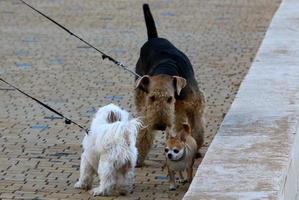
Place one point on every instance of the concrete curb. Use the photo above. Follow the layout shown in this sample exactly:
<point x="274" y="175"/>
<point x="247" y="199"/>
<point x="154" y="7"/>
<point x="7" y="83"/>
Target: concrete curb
<point x="249" y="156"/>
<point x="290" y="183"/>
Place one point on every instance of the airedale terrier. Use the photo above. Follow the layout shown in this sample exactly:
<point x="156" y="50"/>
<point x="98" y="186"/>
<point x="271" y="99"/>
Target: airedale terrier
<point x="167" y="93"/>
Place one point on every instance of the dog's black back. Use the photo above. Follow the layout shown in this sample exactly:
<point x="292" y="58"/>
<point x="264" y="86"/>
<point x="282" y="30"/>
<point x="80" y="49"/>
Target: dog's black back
<point x="159" y="56"/>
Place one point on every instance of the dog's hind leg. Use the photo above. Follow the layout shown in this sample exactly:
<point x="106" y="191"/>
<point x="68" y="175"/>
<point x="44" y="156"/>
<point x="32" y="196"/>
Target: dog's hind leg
<point x="198" y="128"/>
<point x="107" y="175"/>
<point x="196" y="119"/>
<point x="86" y="174"/>
<point x="125" y="182"/>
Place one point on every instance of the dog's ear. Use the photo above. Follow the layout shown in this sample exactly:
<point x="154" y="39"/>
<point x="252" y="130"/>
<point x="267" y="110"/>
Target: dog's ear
<point x="186" y="127"/>
<point x="168" y="133"/>
<point x="184" y="131"/>
<point x="179" y="83"/>
<point x="183" y="136"/>
<point x="143" y="83"/>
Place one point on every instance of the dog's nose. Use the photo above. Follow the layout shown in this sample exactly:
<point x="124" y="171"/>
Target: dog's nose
<point x="161" y="127"/>
<point x="169" y="156"/>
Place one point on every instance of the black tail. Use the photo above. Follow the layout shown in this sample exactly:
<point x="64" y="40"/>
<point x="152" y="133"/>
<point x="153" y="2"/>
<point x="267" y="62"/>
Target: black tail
<point x="150" y="23"/>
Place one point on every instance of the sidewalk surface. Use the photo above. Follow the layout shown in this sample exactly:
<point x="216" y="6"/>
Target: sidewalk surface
<point x="40" y="154"/>
<point x="254" y="154"/>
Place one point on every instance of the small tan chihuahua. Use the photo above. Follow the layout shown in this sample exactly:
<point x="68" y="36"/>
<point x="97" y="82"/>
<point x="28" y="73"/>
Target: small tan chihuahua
<point x="180" y="151"/>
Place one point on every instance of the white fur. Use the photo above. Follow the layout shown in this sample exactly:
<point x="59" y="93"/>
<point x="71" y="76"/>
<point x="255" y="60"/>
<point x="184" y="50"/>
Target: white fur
<point x="107" y="150"/>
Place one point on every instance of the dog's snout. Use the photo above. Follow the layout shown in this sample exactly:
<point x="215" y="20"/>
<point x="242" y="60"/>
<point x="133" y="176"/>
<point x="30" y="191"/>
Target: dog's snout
<point x="161" y="127"/>
<point x="169" y="155"/>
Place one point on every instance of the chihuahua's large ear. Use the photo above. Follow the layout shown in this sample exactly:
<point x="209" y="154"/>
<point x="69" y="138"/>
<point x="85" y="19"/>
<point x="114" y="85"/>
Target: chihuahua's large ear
<point x="186" y="127"/>
<point x="185" y="131"/>
<point x="168" y="133"/>
<point x="179" y="83"/>
<point x="143" y="83"/>
<point x="183" y="135"/>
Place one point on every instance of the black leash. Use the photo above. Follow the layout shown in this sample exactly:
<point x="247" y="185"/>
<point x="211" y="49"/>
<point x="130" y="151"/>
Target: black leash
<point x="66" y="120"/>
<point x="104" y="55"/>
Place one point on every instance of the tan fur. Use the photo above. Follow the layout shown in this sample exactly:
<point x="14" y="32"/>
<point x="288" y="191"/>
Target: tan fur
<point x="183" y="141"/>
<point x="156" y="104"/>
<point x="125" y="168"/>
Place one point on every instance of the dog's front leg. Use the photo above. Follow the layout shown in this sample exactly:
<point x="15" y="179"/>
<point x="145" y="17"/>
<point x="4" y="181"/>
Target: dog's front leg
<point x="182" y="179"/>
<point x="144" y="142"/>
<point x="172" y="185"/>
<point x="189" y="173"/>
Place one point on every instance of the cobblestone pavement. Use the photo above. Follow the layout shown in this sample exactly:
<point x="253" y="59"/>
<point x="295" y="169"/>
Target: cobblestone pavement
<point x="40" y="154"/>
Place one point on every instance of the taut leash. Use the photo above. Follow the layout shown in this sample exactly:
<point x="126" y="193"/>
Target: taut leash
<point x="104" y="55"/>
<point x="66" y="119"/>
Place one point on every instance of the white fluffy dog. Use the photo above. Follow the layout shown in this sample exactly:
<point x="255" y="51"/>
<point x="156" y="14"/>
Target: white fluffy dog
<point x="109" y="150"/>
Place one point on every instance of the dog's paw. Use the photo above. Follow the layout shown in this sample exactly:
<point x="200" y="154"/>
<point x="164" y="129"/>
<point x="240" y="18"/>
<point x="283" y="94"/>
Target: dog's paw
<point x="198" y="155"/>
<point x="125" y="189"/>
<point x="81" y="185"/>
<point x="139" y="164"/>
<point x="78" y="185"/>
<point x="183" y="180"/>
<point x="172" y="187"/>
<point x="99" y="192"/>
<point x="96" y="192"/>
<point x="123" y="192"/>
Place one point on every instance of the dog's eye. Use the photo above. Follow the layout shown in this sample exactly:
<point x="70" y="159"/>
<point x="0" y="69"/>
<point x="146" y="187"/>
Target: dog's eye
<point x="152" y="98"/>
<point x="176" y="151"/>
<point x="166" y="150"/>
<point x="169" y="100"/>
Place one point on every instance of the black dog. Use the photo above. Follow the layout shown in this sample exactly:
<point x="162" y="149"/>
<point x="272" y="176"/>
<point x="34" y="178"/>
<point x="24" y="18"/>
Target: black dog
<point x="167" y="94"/>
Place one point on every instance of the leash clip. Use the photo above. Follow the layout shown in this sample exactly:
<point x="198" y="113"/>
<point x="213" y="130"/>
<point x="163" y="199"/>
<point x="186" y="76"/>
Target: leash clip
<point x="67" y="121"/>
<point x="121" y="65"/>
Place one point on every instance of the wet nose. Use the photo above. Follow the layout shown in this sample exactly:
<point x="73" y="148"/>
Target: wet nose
<point x="161" y="127"/>
<point x="169" y="156"/>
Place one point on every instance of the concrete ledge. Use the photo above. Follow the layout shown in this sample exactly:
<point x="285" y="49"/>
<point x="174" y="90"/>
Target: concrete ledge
<point x="290" y="184"/>
<point x="250" y="157"/>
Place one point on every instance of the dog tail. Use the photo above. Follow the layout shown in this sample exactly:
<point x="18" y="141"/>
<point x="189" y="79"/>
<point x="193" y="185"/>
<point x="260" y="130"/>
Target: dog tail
<point x="150" y="23"/>
<point x="113" y="116"/>
<point x="134" y="124"/>
<point x="129" y="130"/>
